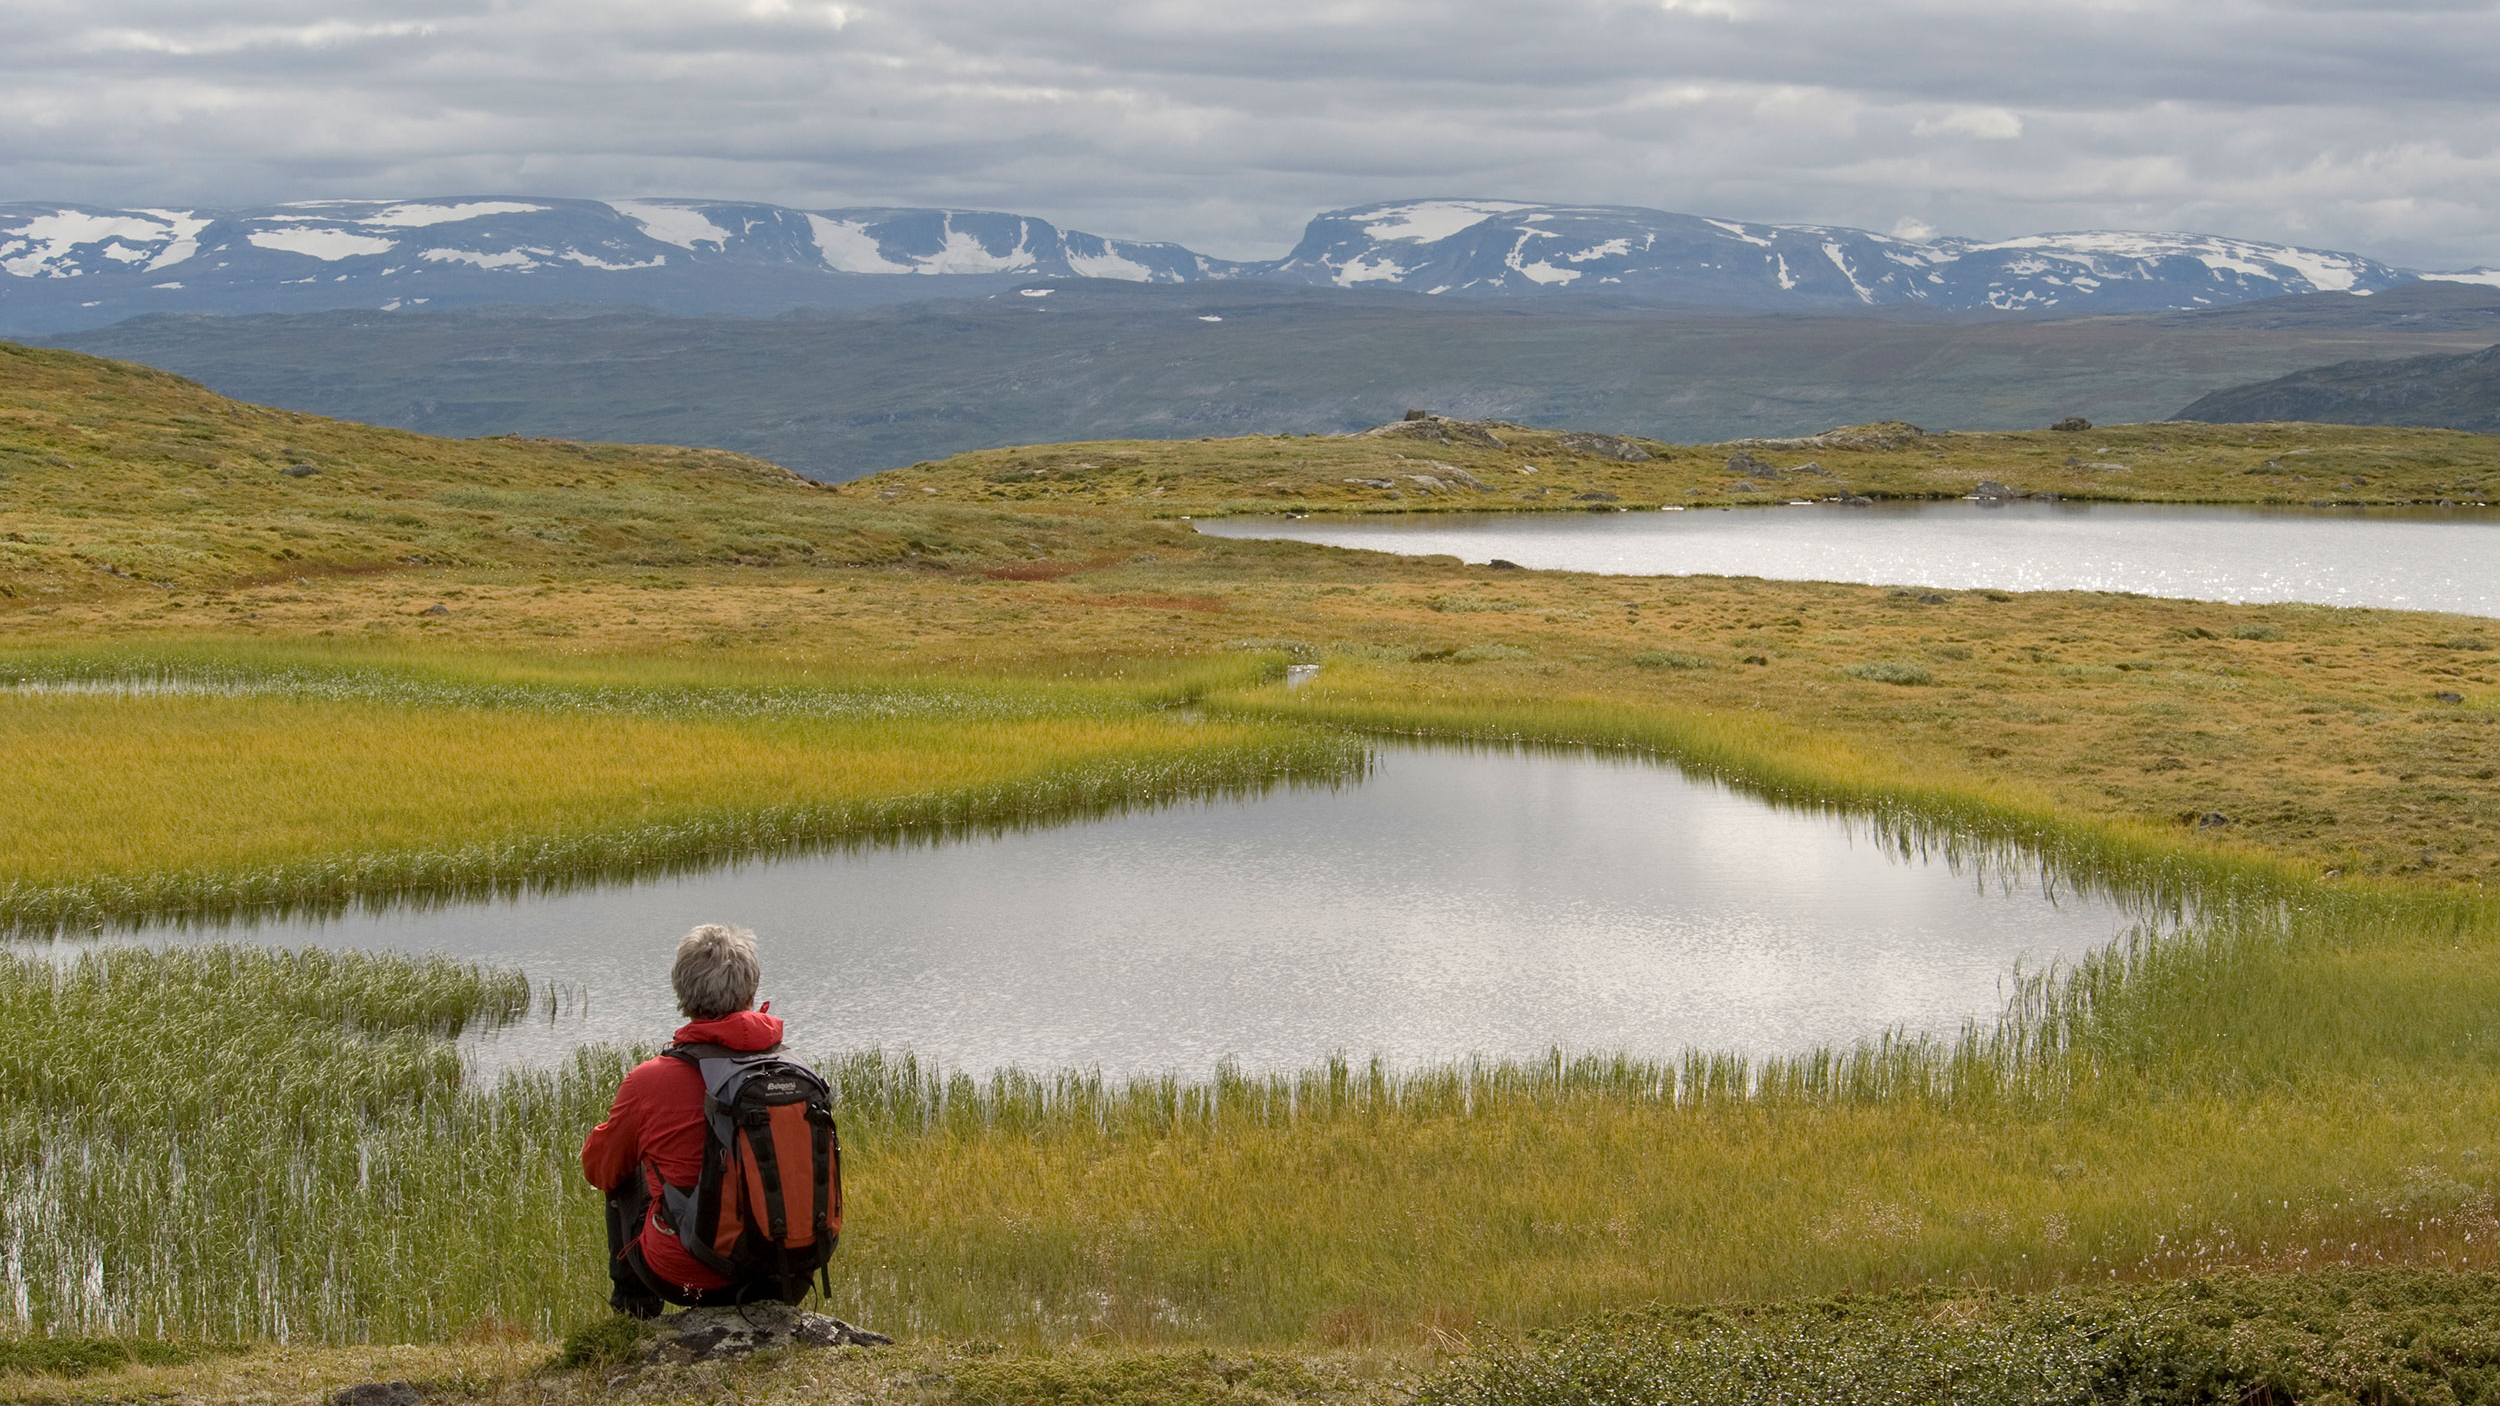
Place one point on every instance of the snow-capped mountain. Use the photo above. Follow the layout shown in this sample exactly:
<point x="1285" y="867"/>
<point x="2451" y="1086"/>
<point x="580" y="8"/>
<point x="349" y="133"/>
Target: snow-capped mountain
<point x="78" y="266"/>
<point x="70" y="266"/>
<point x="1491" y="247"/>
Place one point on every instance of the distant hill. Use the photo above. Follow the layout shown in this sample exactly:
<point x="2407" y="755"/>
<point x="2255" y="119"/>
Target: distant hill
<point x="117" y="477"/>
<point x="69" y="267"/>
<point x="2459" y="392"/>
<point x="839" y="394"/>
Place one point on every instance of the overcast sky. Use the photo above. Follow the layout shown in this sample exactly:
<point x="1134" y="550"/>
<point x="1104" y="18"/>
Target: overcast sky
<point x="2369" y="127"/>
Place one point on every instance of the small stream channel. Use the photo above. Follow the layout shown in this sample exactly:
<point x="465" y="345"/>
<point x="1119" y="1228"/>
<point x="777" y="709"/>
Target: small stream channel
<point x="1457" y="902"/>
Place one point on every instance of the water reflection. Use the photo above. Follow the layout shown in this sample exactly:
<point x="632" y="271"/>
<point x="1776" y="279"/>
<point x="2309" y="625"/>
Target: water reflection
<point x="2407" y="559"/>
<point x="1454" y="903"/>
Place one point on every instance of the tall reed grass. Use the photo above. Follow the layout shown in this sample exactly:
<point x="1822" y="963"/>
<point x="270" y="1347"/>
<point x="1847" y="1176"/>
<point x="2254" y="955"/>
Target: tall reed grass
<point x="154" y="789"/>
<point x="227" y="1142"/>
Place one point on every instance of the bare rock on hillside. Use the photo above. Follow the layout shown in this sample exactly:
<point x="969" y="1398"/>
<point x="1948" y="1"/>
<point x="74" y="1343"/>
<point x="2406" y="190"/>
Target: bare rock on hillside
<point x="710" y="1334"/>
<point x="1877" y="435"/>
<point x="1606" y="446"/>
<point x="1744" y="463"/>
<point x="1442" y="430"/>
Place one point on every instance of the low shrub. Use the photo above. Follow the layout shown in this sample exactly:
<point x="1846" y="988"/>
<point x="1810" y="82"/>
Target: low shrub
<point x="2260" y="633"/>
<point x="610" y="1340"/>
<point x="1893" y="671"/>
<point x="1668" y="659"/>
<point x="79" y="1357"/>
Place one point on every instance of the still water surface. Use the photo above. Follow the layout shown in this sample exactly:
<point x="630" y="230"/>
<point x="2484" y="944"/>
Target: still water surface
<point x="1456" y="903"/>
<point x="2408" y="559"/>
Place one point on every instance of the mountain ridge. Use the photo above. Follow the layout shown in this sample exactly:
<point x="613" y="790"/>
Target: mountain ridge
<point x="2457" y="391"/>
<point x="70" y="267"/>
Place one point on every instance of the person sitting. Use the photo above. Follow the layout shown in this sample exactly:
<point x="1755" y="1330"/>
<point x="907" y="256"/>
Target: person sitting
<point x="655" y="1133"/>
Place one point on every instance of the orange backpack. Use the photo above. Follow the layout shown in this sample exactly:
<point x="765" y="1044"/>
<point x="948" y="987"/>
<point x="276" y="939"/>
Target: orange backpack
<point x="768" y="1207"/>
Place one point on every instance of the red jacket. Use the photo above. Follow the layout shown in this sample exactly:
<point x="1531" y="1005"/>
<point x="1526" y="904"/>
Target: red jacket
<point x="657" y="1124"/>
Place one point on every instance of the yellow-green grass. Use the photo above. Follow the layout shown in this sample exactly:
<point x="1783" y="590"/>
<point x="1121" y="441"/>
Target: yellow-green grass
<point x="1405" y="468"/>
<point x="256" y="782"/>
<point x="115" y="475"/>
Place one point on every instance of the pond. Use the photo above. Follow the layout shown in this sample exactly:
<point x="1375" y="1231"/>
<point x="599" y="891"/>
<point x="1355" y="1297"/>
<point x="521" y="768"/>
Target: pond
<point x="2407" y="559"/>
<point x="1454" y="903"/>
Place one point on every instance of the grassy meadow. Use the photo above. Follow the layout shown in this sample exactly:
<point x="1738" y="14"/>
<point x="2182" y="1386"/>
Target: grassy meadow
<point x="614" y="659"/>
<point x="146" y="788"/>
<point x="1407" y="467"/>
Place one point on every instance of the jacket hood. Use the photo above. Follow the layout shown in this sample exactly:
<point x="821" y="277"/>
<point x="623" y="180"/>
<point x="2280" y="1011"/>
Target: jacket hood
<point x="746" y="1031"/>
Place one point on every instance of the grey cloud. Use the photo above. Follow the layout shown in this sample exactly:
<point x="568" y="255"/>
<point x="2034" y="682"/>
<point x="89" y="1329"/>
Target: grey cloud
<point x="1225" y="125"/>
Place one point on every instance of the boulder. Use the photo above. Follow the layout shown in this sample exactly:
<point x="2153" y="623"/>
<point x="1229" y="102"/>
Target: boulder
<point x="2072" y="423"/>
<point x="378" y="1394"/>
<point x="1991" y="489"/>
<point x="1744" y="463"/>
<point x="711" y="1334"/>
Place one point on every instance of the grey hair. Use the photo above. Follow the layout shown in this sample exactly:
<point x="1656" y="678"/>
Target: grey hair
<point x="715" y="972"/>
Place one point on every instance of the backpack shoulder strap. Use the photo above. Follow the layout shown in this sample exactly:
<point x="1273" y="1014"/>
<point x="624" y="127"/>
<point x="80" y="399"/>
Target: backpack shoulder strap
<point x="695" y="1054"/>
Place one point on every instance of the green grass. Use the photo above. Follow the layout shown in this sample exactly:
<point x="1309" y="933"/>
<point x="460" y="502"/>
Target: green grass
<point x="2340" y="1336"/>
<point x="113" y="474"/>
<point x="1401" y="468"/>
<point x="150" y="785"/>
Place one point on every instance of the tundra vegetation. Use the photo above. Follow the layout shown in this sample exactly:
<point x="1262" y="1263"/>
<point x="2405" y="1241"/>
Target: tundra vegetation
<point x="427" y="666"/>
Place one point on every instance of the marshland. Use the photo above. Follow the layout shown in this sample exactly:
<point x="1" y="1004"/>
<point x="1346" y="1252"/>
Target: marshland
<point x="432" y="671"/>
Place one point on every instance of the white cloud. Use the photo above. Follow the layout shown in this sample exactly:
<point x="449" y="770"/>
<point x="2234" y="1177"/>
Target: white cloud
<point x="1993" y="124"/>
<point x="2328" y="122"/>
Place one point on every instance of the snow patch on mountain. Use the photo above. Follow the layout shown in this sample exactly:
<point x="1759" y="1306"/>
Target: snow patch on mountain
<point x="418" y="216"/>
<point x="508" y="259"/>
<point x="682" y="225"/>
<point x="47" y="246"/>
<point x="964" y="252"/>
<point x="1429" y="221"/>
<point x="330" y="245"/>
<point x="851" y="248"/>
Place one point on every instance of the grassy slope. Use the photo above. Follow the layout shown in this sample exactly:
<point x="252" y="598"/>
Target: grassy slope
<point x="1543" y="469"/>
<point x="111" y="469"/>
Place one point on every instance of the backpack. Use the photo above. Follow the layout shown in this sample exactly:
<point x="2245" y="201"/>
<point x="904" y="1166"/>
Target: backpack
<point x="768" y="1205"/>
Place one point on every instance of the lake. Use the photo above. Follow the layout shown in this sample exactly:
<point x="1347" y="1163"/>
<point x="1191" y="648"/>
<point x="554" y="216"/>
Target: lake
<point x="2406" y="559"/>
<point x="1457" y="902"/>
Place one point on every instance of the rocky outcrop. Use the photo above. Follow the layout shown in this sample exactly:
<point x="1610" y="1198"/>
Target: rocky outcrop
<point x="1606" y="446"/>
<point x="1878" y="436"/>
<point x="711" y="1334"/>
<point x="1443" y="430"/>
